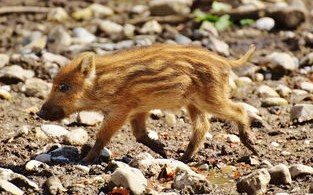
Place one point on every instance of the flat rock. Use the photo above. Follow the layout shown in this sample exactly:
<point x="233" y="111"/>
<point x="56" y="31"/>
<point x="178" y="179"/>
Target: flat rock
<point x="301" y="112"/>
<point x="266" y="91"/>
<point x="36" y="87"/>
<point x="280" y="175"/>
<point x="130" y="178"/>
<point x="9" y="187"/>
<point x="254" y="183"/>
<point x="45" y="158"/>
<point x="308" y="86"/>
<point x="274" y="101"/>
<point x="173" y="7"/>
<point x="54" y="58"/>
<point x="53" y="130"/>
<point x="15" y="74"/>
<point x="77" y="137"/>
<point x="89" y="118"/>
<point x="300" y="170"/>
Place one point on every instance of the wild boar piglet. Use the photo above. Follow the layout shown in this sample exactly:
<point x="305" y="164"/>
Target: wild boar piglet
<point x="126" y="85"/>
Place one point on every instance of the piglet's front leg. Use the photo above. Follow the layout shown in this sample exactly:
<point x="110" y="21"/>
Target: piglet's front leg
<point x="111" y="124"/>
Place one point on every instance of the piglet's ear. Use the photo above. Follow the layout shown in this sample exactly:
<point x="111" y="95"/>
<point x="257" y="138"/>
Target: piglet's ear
<point x="87" y="65"/>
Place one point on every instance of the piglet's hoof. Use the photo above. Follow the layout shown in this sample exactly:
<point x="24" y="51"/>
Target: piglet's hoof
<point x="154" y="145"/>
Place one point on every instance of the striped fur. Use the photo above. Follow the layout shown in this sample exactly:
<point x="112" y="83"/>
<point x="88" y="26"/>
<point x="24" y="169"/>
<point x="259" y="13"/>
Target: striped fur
<point x="126" y="85"/>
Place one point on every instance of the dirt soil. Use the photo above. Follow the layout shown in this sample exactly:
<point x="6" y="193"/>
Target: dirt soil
<point x="15" y="113"/>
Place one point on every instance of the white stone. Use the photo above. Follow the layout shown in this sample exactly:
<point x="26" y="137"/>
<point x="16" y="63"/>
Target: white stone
<point x="77" y="137"/>
<point x="151" y="27"/>
<point x="299" y="92"/>
<point x="16" y="72"/>
<point x="301" y="112"/>
<point x="89" y="117"/>
<point x="9" y="187"/>
<point x="4" y="60"/>
<point x="9" y="175"/>
<point x="36" y="87"/>
<point x="233" y="139"/>
<point x="259" y="77"/>
<point x="130" y="178"/>
<point x="307" y="142"/>
<point x="170" y="119"/>
<point x="53" y="130"/>
<point x="82" y="14"/>
<point x="4" y="94"/>
<point x="300" y="170"/>
<point x="253" y="112"/>
<point x="274" y="101"/>
<point x="266" y="91"/>
<point x="265" y="23"/>
<point x="308" y="86"/>
<point x="83" y="36"/>
<point x="110" y="28"/>
<point x="45" y="158"/>
<point x="129" y="30"/>
<point x="243" y="81"/>
<point x="83" y="168"/>
<point x="220" y="46"/>
<point x="254" y="183"/>
<point x="33" y="165"/>
<point x="280" y="174"/>
<point x="59" y="36"/>
<point x="274" y="144"/>
<point x="208" y="136"/>
<point x="153" y="135"/>
<point x="157" y="113"/>
<point x="101" y="10"/>
<point x="54" y="58"/>
<point x="283" y="90"/>
<point x="57" y="14"/>
<point x="181" y="39"/>
<point x="282" y="60"/>
<point x="285" y="153"/>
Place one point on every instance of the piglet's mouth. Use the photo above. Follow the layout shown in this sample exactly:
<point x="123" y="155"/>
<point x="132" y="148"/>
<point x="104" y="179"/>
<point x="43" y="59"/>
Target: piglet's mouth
<point x="51" y="114"/>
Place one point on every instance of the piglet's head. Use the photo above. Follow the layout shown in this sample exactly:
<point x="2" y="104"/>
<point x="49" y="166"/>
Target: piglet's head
<point x="70" y="85"/>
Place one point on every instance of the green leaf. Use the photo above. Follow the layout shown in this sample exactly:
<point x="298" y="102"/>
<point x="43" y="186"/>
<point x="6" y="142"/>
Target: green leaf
<point x="201" y="16"/>
<point x="223" y="23"/>
<point x="246" y="22"/>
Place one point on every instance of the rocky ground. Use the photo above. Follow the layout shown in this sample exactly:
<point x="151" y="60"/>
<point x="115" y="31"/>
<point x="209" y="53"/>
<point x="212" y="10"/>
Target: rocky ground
<point x="40" y="157"/>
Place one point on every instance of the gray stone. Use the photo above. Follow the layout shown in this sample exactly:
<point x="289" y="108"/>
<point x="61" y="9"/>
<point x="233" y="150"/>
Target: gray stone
<point x="89" y="118"/>
<point x="254" y="183"/>
<point x="124" y="44"/>
<point x="280" y="60"/>
<point x="53" y="130"/>
<point x="15" y="73"/>
<point x="139" y="9"/>
<point x="181" y="39"/>
<point x="151" y="27"/>
<point x="58" y="39"/>
<point x="308" y="86"/>
<point x="183" y="179"/>
<point x="274" y="101"/>
<point x="82" y="36"/>
<point x="54" y="185"/>
<point x="4" y="60"/>
<point x="173" y="7"/>
<point x="77" y="137"/>
<point x="35" y="87"/>
<point x="300" y="170"/>
<point x="130" y="178"/>
<point x="265" y="23"/>
<point x="280" y="175"/>
<point x="266" y="91"/>
<point x="110" y="27"/>
<point x="54" y="58"/>
<point x="45" y="158"/>
<point x="301" y="112"/>
<point x="9" y="187"/>
<point x="64" y="154"/>
<point x="219" y="46"/>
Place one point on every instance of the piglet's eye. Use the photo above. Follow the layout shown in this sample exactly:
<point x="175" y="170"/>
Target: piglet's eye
<point x="64" y="87"/>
